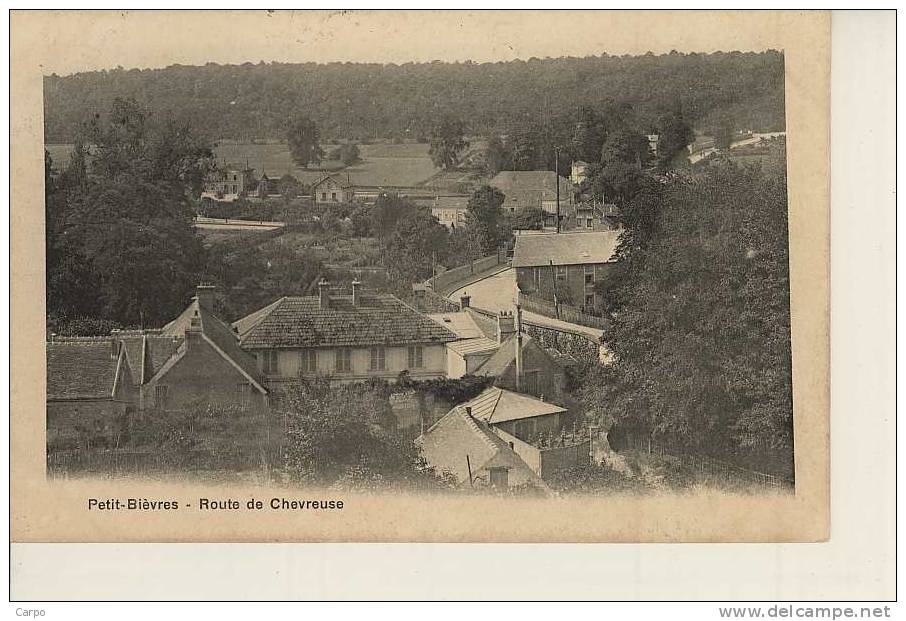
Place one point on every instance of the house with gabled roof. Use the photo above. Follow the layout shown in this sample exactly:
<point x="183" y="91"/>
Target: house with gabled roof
<point x="91" y="391"/>
<point x="486" y="346"/>
<point x="537" y="189"/>
<point x="343" y="336"/>
<point x="468" y="449"/>
<point x="332" y="189"/>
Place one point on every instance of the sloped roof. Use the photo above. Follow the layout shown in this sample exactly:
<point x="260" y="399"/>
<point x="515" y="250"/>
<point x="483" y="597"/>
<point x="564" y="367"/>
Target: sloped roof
<point x="505" y="356"/>
<point x="218" y="333"/>
<point x="147" y="351"/>
<point x="460" y="323"/>
<point x="378" y="319"/>
<point x="481" y="345"/>
<point x="545" y="181"/>
<point x="565" y="248"/>
<point x="456" y="435"/>
<point x="343" y="183"/>
<point x="498" y="405"/>
<point x="81" y="368"/>
<point x="451" y="202"/>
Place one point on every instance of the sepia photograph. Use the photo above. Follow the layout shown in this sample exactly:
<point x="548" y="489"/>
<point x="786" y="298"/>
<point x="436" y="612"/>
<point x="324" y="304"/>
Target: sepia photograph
<point x="483" y="281"/>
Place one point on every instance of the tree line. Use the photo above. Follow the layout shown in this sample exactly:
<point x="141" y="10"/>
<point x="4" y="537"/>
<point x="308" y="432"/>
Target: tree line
<point x="366" y="101"/>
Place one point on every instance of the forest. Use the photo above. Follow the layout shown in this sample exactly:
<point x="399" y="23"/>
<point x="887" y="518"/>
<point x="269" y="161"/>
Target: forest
<point x="361" y="102"/>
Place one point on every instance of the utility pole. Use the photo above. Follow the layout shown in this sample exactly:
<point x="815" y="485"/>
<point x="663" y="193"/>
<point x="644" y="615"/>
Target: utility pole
<point x="518" y="339"/>
<point x="557" y="180"/>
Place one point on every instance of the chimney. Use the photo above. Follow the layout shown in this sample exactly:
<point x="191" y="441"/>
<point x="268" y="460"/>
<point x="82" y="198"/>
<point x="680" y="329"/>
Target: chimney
<point x="469" y="411"/>
<point x="194" y="330"/>
<point x="205" y="296"/>
<point x="419" y="290"/>
<point x="464" y="301"/>
<point x="324" y="294"/>
<point x="356" y="292"/>
<point x="506" y="326"/>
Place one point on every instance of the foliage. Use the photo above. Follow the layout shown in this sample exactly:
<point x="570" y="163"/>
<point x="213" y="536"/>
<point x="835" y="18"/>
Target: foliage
<point x="347" y="435"/>
<point x="119" y="221"/>
<point x="360" y="101"/>
<point x="413" y="246"/>
<point x="447" y="142"/>
<point x="485" y="220"/>
<point x="347" y="153"/>
<point x="80" y="326"/>
<point x="449" y="390"/>
<point x="674" y="135"/>
<point x="304" y="140"/>
<point x="700" y="325"/>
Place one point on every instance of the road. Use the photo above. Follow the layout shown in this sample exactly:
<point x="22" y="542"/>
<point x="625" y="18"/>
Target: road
<point x="498" y="292"/>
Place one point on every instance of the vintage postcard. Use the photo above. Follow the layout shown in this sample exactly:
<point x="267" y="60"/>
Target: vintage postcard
<point x="414" y="276"/>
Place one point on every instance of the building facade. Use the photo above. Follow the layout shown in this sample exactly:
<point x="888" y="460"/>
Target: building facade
<point x="229" y="183"/>
<point x="566" y="267"/>
<point x="344" y="337"/>
<point x="332" y="189"/>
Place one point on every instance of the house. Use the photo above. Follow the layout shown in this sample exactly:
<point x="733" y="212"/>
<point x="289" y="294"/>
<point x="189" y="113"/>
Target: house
<point x="194" y="358"/>
<point x="332" y="189"/>
<point x="486" y="346"/>
<point x="450" y="210"/>
<point x="537" y="189"/>
<point x="229" y="183"/>
<point x="344" y="336"/>
<point x="90" y="392"/>
<point x="519" y="415"/>
<point x="591" y="216"/>
<point x="470" y="451"/>
<point x="565" y="267"/>
<point x="578" y="172"/>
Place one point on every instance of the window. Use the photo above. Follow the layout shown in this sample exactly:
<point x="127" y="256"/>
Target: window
<point x="530" y="381"/>
<point x="333" y="196"/>
<point x="378" y="359"/>
<point x="590" y="300"/>
<point x="416" y="357"/>
<point x="243" y="393"/>
<point x="323" y="196"/>
<point x="343" y="361"/>
<point x="589" y="275"/>
<point x="235" y="177"/>
<point x="561" y="272"/>
<point x="161" y="394"/>
<point x="588" y="223"/>
<point x="498" y="477"/>
<point x="309" y="361"/>
<point x="270" y="361"/>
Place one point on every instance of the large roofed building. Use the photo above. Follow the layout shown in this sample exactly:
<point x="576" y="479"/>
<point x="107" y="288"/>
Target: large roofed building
<point x="344" y="336"/>
<point x="537" y="189"/>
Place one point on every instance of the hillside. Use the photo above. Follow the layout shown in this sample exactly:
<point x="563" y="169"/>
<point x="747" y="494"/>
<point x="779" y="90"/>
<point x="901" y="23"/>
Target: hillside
<point x="362" y="101"/>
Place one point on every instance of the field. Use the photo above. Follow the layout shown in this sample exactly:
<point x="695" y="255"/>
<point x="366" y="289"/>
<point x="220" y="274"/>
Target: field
<point x="381" y="165"/>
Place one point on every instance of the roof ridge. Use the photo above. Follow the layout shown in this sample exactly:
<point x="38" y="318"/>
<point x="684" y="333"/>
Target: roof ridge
<point x="470" y="420"/>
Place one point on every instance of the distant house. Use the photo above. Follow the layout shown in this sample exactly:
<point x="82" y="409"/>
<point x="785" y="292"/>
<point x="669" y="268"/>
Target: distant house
<point x="486" y="347"/>
<point x="537" y="189"/>
<point x="332" y="189"/>
<point x="578" y="172"/>
<point x="229" y="183"/>
<point x="90" y="387"/>
<point x="565" y="267"/>
<point x="344" y="337"/>
<point x="470" y="451"/>
<point x="450" y="210"/>
<point x="591" y="216"/>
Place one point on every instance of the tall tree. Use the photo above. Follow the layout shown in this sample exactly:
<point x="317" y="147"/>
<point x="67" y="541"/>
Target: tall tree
<point x="125" y="246"/>
<point x="304" y="140"/>
<point x="674" y="135"/>
<point x="485" y="219"/>
<point x="447" y="142"/>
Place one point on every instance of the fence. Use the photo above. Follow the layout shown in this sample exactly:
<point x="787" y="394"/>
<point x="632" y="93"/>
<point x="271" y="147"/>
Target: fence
<point x="561" y="311"/>
<point x="451" y="279"/>
<point x="709" y="465"/>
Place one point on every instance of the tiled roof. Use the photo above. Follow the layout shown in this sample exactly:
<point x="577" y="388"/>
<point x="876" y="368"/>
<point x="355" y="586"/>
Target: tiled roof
<point x="343" y="183"/>
<point x="505" y="356"/>
<point x="451" y="202"/>
<point x="378" y="319"/>
<point x="81" y="368"/>
<point x="456" y="435"/>
<point x="481" y="345"/>
<point x="147" y="351"/>
<point x="219" y="333"/>
<point x="530" y="180"/>
<point x="498" y="405"/>
<point x="565" y="248"/>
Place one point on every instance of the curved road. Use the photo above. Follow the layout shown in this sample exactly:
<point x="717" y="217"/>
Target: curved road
<point x="498" y="292"/>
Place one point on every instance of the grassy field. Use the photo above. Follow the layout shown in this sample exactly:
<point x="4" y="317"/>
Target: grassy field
<point x="381" y="165"/>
